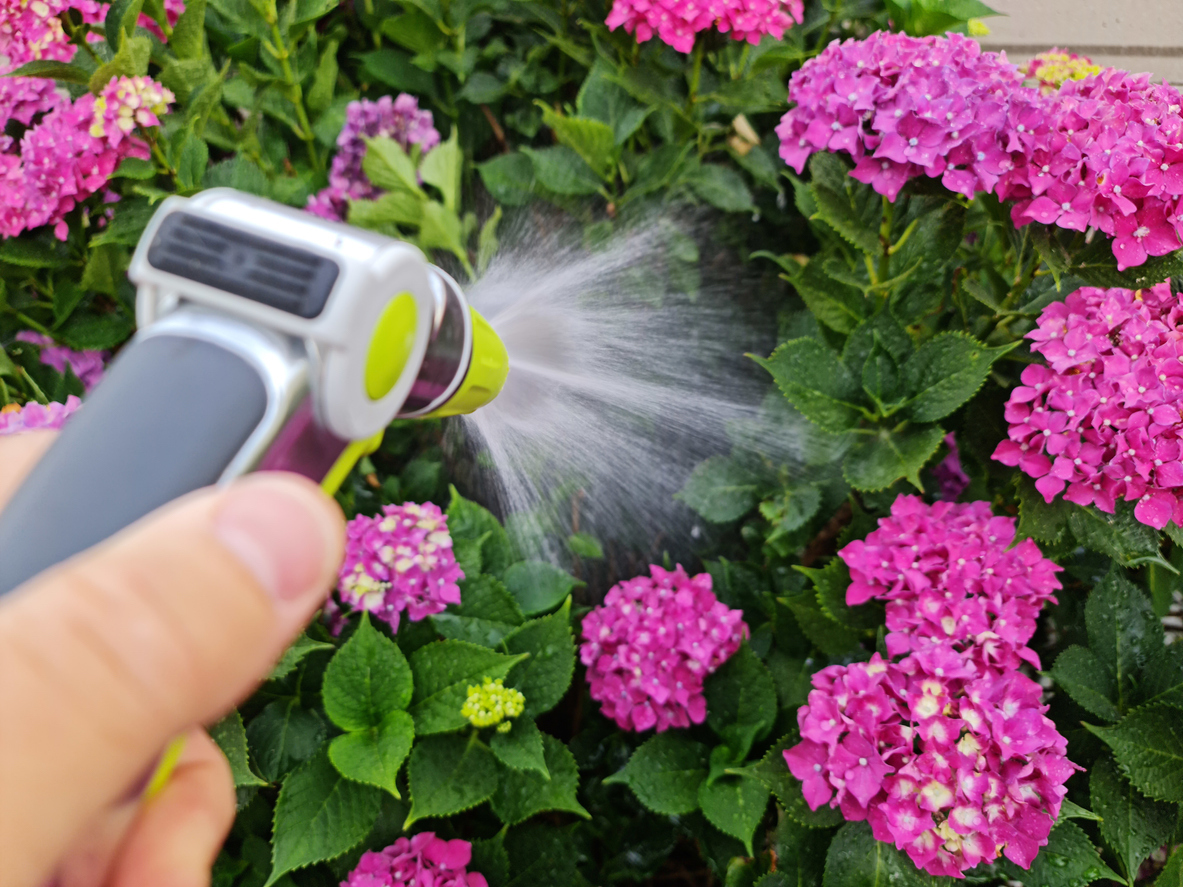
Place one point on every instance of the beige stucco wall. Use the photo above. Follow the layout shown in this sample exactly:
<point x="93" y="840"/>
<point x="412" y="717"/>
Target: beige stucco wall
<point x="1138" y="35"/>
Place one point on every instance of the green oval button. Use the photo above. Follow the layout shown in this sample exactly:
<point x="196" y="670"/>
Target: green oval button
<point x="394" y="339"/>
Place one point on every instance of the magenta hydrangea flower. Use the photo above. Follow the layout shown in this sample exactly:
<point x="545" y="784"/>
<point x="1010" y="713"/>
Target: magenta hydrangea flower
<point x="32" y="29"/>
<point x="15" y="419"/>
<point x="947" y="751"/>
<point x="677" y="21"/>
<point x="1100" y="422"/>
<point x="399" y="560"/>
<point x="423" y="860"/>
<point x="127" y="103"/>
<point x="1103" y="152"/>
<point x="649" y="646"/>
<point x="396" y="118"/>
<point x="87" y="365"/>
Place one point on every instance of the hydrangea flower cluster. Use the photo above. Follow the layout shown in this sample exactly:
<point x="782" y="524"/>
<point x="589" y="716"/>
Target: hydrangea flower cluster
<point x="491" y="703"/>
<point x="396" y="118"/>
<point x="15" y="418"/>
<point x="87" y="365"/>
<point x="1104" y="152"/>
<point x="677" y="21"/>
<point x="1102" y="418"/>
<point x="1057" y="66"/>
<point x="32" y="29"/>
<point x="946" y="751"/>
<point x="423" y="860"/>
<point x="649" y="646"/>
<point x="398" y="560"/>
<point x="128" y="102"/>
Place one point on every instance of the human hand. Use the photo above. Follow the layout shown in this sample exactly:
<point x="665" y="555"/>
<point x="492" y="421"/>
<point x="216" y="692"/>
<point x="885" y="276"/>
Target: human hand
<point x="105" y="658"/>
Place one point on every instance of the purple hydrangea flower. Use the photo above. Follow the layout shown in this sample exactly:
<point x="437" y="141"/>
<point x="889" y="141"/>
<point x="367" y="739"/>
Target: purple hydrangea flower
<point x="15" y="419"/>
<point x="396" y="118"/>
<point x="87" y="365"/>
<point x="422" y="860"/>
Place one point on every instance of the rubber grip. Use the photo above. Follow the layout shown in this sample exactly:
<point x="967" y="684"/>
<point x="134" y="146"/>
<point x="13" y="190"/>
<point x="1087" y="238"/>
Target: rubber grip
<point x="170" y="415"/>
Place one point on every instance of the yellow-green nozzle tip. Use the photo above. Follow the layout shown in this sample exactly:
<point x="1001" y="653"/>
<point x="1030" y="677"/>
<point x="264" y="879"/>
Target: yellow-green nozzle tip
<point x="486" y="373"/>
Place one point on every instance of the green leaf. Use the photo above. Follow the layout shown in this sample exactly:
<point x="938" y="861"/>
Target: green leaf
<point x="800" y="857"/>
<point x="130" y="61"/>
<point x="192" y="163"/>
<point x="1120" y="536"/>
<point x="838" y="305"/>
<point x="449" y="774"/>
<point x="541" y="856"/>
<point x="721" y="489"/>
<point x="720" y="186"/>
<point x="230" y="736"/>
<point x="585" y="545"/>
<point x="469" y="521"/>
<point x="945" y="372"/>
<point x="104" y="271"/>
<point x="813" y="379"/>
<point x="135" y="168"/>
<point x="443" y="672"/>
<point x="1162" y="679"/>
<point x="523" y="793"/>
<point x="591" y="139"/>
<point x="293" y="655"/>
<point x="31" y="254"/>
<point x="831" y="584"/>
<point x="393" y="68"/>
<point x="284" y="735"/>
<point x="547" y="653"/>
<point x="877" y="461"/>
<point x="509" y="178"/>
<point x="121" y="21"/>
<point x="834" y="208"/>
<point x="1123" y="631"/>
<point x="1038" y="519"/>
<point x="734" y="805"/>
<point x="1132" y="825"/>
<point x="1172" y="873"/>
<point x="560" y="170"/>
<point x="486" y="614"/>
<point x="188" y="37"/>
<point x="482" y="88"/>
<point x="388" y="166"/>
<point x="392" y="208"/>
<point x="538" y="586"/>
<point x="60" y="71"/>
<point x="85" y="331"/>
<point x="487" y="242"/>
<point x="741" y="701"/>
<point x="324" y="82"/>
<point x="366" y="680"/>
<point x="1148" y="746"/>
<point x="441" y="167"/>
<point x="829" y="636"/>
<point x="521" y="748"/>
<point x="856" y="859"/>
<point x="490" y="860"/>
<point x="774" y="773"/>
<point x="375" y="754"/>
<point x="1090" y="684"/>
<point x="440" y="229"/>
<point x="665" y="773"/>
<point x="1068" y="860"/>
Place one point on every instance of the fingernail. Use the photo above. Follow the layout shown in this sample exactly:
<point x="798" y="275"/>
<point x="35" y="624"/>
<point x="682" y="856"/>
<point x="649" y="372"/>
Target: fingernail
<point x="282" y="530"/>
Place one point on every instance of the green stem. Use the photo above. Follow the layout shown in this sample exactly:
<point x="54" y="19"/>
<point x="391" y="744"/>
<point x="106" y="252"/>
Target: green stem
<point x="695" y="76"/>
<point x="7" y="398"/>
<point x="24" y="318"/>
<point x="295" y="94"/>
<point x="37" y="392"/>
<point x="369" y="4"/>
<point x="885" y="238"/>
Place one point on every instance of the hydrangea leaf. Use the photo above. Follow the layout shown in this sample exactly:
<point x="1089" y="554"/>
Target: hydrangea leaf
<point x="720" y="186"/>
<point x="389" y="167"/>
<point x="294" y="655"/>
<point x="836" y="304"/>
<point x="490" y="859"/>
<point x="1162" y="678"/>
<point x="877" y="461"/>
<point x="366" y="680"/>
<point x="741" y="700"/>
<point x="1090" y="684"/>
<point x="856" y="859"/>
<point x="1148" y="746"/>
<point x="774" y="773"/>
<point x="1045" y="522"/>
<point x="665" y="773"/>
<point x="800" y="856"/>
<point x="374" y="755"/>
<point x="443" y="672"/>
<point x="945" y="372"/>
<point x="829" y="636"/>
<point x="441" y="167"/>
<point x="283" y="735"/>
<point x="721" y="490"/>
<point x="1172" y="873"/>
<point x="449" y="774"/>
<point x="593" y="140"/>
<point x="1068" y="860"/>
<point x="1120" y="536"/>
<point x="882" y="328"/>
<point x="230" y="736"/>
<point x="538" y="586"/>
<point x="1123" y="631"/>
<point x="469" y="521"/>
<point x="64" y="72"/>
<point x="830" y="584"/>
<point x="547" y="653"/>
<point x="540" y="856"/>
<point x="734" y="805"/>
<point x="521" y="748"/>
<point x="486" y="614"/>
<point x="560" y="170"/>
<point x="813" y="379"/>
<point x="319" y="815"/>
<point x="1133" y="825"/>
<point x="834" y="208"/>
<point x="585" y="545"/>
<point x="522" y="793"/>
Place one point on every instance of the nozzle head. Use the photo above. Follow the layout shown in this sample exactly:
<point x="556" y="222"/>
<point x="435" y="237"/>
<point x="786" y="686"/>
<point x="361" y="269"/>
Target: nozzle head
<point x="486" y="372"/>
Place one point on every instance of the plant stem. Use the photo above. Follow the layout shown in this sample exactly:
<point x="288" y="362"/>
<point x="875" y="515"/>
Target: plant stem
<point x="295" y="94"/>
<point x="695" y="76"/>
<point x="885" y="238"/>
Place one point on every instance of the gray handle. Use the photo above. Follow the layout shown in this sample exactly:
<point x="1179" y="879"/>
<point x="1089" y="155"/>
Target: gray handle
<point x="168" y="418"/>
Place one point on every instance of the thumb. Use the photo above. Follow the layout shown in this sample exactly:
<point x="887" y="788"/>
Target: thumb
<point x="168" y="624"/>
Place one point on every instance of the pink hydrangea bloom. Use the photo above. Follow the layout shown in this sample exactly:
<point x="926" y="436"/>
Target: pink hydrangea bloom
<point x="1100" y="421"/>
<point x="946" y="751"/>
<point x="127" y="103"/>
<point x="423" y="860"/>
<point x="649" y="646"/>
<point x="32" y="29"/>
<point x="400" y="560"/>
<point x="87" y="365"/>
<point x="677" y="21"/>
<point x="15" y="419"/>
<point x="1104" y="152"/>
<point x="396" y="118"/>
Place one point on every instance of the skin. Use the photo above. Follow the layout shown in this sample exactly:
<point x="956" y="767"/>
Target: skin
<point x="108" y="656"/>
